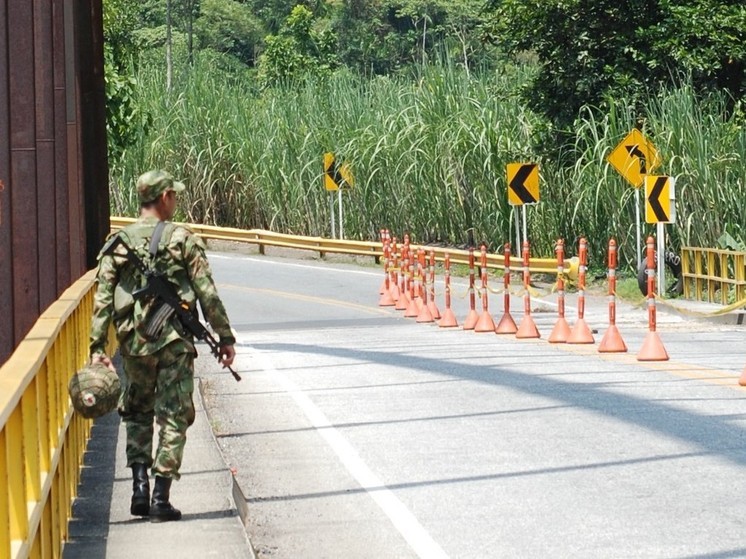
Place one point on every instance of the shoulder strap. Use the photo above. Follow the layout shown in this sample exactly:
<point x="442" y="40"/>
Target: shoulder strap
<point x="156" y="239"/>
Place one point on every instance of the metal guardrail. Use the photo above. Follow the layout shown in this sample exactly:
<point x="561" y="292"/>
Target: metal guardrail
<point x="42" y="439"/>
<point x="714" y="276"/>
<point x="322" y="245"/>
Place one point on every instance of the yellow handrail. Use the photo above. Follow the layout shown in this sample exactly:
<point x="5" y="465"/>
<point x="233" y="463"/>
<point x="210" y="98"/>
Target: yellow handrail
<point x="714" y="275"/>
<point x="42" y="440"/>
<point x="359" y="248"/>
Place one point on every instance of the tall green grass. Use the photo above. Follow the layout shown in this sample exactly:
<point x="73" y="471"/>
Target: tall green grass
<point x="428" y="155"/>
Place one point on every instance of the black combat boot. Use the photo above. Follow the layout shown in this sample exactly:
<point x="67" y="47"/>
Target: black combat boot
<point x="140" y="491"/>
<point x="160" y="509"/>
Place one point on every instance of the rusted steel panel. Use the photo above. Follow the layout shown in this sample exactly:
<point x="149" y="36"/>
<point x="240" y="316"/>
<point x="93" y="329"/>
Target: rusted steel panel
<point x="23" y="167"/>
<point x="6" y="269"/>
<point x="44" y="110"/>
<point x="92" y="125"/>
<point x="62" y="212"/>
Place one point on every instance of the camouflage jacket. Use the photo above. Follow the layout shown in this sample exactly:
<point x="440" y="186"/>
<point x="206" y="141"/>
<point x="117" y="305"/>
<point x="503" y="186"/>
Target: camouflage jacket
<point x="181" y="258"/>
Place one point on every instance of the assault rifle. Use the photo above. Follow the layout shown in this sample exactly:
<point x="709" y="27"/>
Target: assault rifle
<point x="157" y="286"/>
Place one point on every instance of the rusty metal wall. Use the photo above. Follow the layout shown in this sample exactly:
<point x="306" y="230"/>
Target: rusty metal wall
<point x="54" y="202"/>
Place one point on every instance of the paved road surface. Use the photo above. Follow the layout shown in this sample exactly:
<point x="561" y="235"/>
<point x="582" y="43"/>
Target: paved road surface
<point x="357" y="433"/>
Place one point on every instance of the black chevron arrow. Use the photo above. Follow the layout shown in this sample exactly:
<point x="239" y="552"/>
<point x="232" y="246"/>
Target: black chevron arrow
<point x="655" y="203"/>
<point x="333" y="173"/>
<point x="519" y="188"/>
<point x="635" y="151"/>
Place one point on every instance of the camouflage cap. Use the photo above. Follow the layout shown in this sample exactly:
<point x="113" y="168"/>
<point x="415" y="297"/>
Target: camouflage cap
<point x="152" y="184"/>
<point x="94" y="390"/>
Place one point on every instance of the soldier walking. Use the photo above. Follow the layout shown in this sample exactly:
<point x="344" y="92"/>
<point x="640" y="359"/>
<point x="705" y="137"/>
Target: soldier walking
<point x="158" y="354"/>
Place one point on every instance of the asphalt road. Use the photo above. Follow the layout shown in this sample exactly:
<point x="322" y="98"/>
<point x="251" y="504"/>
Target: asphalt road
<point x="357" y="433"/>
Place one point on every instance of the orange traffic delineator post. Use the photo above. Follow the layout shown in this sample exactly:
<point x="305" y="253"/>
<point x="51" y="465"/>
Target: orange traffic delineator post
<point x="394" y="269"/>
<point x="384" y="233"/>
<point x="506" y="324"/>
<point x="424" y="314"/>
<point x="561" y="330"/>
<point x="473" y="316"/>
<point x="581" y="333"/>
<point x="652" y="348"/>
<point x="485" y="322"/>
<point x="448" y="320"/>
<point x="612" y="341"/>
<point x="403" y="302"/>
<point x="386" y="299"/>
<point x="412" y="310"/>
<point x="527" y="328"/>
<point x="434" y="310"/>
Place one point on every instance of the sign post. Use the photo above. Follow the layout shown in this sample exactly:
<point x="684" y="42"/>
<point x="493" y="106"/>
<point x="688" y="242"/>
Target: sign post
<point x="336" y="177"/>
<point x="523" y="190"/>
<point x="634" y="157"/>
<point x="660" y="209"/>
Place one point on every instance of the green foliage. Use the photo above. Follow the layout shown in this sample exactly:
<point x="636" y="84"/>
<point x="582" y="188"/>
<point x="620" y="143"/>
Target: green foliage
<point x="590" y="49"/>
<point x="300" y="50"/>
<point x="229" y="26"/>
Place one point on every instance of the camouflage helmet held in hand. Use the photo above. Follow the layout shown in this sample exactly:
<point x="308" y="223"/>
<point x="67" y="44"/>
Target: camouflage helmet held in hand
<point x="94" y="390"/>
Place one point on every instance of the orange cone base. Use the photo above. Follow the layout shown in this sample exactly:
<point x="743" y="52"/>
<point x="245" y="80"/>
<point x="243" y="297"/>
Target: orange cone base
<point x="412" y="310"/>
<point x="560" y="332"/>
<point x="652" y="349"/>
<point x="506" y="325"/>
<point x="580" y="333"/>
<point x="448" y="320"/>
<point x="528" y="328"/>
<point x="471" y="320"/>
<point x="425" y="315"/>
<point x="485" y="323"/>
<point x="612" y="341"/>
<point x="383" y="287"/>
<point x="742" y="380"/>
<point x="402" y="304"/>
<point x="433" y="309"/>
<point x="386" y="299"/>
<point x="394" y="291"/>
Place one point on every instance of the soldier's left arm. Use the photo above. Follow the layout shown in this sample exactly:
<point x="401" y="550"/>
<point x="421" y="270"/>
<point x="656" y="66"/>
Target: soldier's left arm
<point x="204" y="286"/>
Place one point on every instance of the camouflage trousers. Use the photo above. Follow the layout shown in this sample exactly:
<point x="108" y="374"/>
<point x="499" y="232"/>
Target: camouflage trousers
<point x="159" y="387"/>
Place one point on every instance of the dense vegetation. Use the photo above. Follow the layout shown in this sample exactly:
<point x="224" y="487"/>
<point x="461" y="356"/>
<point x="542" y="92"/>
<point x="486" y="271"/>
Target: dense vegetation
<point x="429" y="106"/>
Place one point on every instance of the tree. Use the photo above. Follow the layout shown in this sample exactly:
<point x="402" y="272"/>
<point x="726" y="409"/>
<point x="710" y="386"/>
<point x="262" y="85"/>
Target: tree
<point x="230" y="27"/>
<point x="591" y="48"/>
<point x="298" y="50"/>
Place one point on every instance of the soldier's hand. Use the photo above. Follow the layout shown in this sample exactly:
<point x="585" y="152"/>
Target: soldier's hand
<point x="227" y="355"/>
<point x="104" y="360"/>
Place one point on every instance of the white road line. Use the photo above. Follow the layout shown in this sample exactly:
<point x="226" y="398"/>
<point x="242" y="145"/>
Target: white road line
<point x="403" y="520"/>
<point x="317" y="267"/>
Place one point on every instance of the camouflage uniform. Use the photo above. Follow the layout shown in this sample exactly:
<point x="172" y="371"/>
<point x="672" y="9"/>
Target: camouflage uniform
<point x="159" y="372"/>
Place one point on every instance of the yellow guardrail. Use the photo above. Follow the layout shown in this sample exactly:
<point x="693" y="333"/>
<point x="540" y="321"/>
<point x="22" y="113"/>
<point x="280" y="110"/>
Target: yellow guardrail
<point x="359" y="248"/>
<point x="714" y="276"/>
<point x="42" y="440"/>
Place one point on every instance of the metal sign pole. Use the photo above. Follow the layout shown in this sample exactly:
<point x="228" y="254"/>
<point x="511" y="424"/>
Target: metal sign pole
<point x="341" y="222"/>
<point x="525" y="228"/>
<point x="639" y="226"/>
<point x="660" y="234"/>
<point x="517" y="230"/>
<point x="331" y="209"/>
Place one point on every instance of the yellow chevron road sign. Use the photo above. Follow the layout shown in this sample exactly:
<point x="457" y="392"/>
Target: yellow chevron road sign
<point x="659" y="199"/>
<point x="523" y="183"/>
<point x="634" y="157"/>
<point x="337" y="176"/>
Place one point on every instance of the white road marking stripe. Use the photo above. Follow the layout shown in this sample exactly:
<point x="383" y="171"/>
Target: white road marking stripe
<point x="403" y="520"/>
<point x="322" y="268"/>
